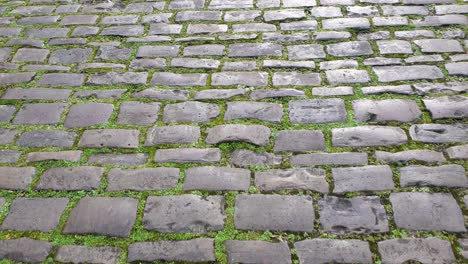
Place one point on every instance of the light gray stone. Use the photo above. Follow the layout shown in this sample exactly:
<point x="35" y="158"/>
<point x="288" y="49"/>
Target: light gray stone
<point x="292" y="179"/>
<point x="254" y="134"/>
<point x="270" y="112"/>
<point x="400" y="110"/>
<point x="317" y="111"/>
<point x="439" y="133"/>
<point x="452" y="176"/>
<point x="367" y="178"/>
<point x="188" y="155"/>
<point x="368" y="136"/>
<point x="71" y="178"/>
<point x="146" y="179"/>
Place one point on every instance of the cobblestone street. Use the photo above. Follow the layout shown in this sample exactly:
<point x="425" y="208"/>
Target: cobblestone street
<point x="234" y="131"/>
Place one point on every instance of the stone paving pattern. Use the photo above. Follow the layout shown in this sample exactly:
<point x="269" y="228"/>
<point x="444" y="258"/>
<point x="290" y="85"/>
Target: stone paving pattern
<point x="233" y="131"/>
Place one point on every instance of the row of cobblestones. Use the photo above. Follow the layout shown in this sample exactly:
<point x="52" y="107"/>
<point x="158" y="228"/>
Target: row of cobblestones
<point x="240" y="131"/>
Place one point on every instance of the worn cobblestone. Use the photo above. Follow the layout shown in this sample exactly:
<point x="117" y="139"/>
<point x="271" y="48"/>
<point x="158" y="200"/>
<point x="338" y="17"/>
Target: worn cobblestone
<point x="233" y="131"/>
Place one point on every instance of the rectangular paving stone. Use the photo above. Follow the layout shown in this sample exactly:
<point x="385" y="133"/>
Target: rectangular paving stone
<point x="270" y="112"/>
<point x="6" y="112"/>
<point x="185" y="213"/>
<point x="123" y="31"/>
<point x="321" y="251"/>
<point x="452" y="176"/>
<point x="299" y="140"/>
<point x="457" y="152"/>
<point x="400" y="110"/>
<point x="30" y="55"/>
<point x="416" y="249"/>
<point x="88" y="114"/>
<point x="25" y="249"/>
<point x="84" y="254"/>
<point x="145" y="179"/>
<point x="47" y="138"/>
<point x="410" y="155"/>
<point x="255" y="50"/>
<point x="127" y="159"/>
<point x="138" y="113"/>
<point x="114" y="78"/>
<point x="439" y="133"/>
<point x="16" y="178"/>
<point x="194" y="250"/>
<point x="296" y="79"/>
<point x="188" y="155"/>
<point x="15" y="78"/>
<point x="343" y="158"/>
<point x="250" y="251"/>
<point x="71" y="178"/>
<point x="274" y="212"/>
<point x="427" y="211"/>
<point x="107" y="216"/>
<point x="179" y="79"/>
<point x="217" y="179"/>
<point x="345" y="76"/>
<point x="110" y="138"/>
<point x="239" y="78"/>
<point x="70" y="155"/>
<point x="34" y="214"/>
<point x="39" y="114"/>
<point x="367" y="178"/>
<point x="192" y="112"/>
<point x="255" y="134"/>
<point x="181" y="134"/>
<point x="292" y="179"/>
<point x="447" y="107"/>
<point x="158" y="51"/>
<point x="368" y="136"/>
<point x="9" y="156"/>
<point x="317" y="111"/>
<point x="358" y="215"/>
<point x="407" y="73"/>
<point x="36" y="94"/>
<point x="61" y="79"/>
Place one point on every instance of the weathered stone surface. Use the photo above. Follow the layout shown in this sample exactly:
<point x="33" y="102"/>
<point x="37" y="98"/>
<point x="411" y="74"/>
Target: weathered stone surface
<point x="274" y="212"/>
<point x="130" y="159"/>
<point x="88" y="114"/>
<point x="424" y="250"/>
<point x="245" y="158"/>
<point x="304" y="52"/>
<point x="34" y="214"/>
<point x="458" y="152"/>
<point x="108" y="216"/>
<point x="217" y="179"/>
<point x="6" y="113"/>
<point x="188" y="155"/>
<point x="114" y="78"/>
<point x="181" y="134"/>
<point x="439" y="133"/>
<point x="239" y="78"/>
<point x="25" y="249"/>
<point x="407" y="73"/>
<point x="317" y="111"/>
<point x="245" y="251"/>
<point x="68" y="56"/>
<point x="47" y="138"/>
<point x="427" y="211"/>
<point x="447" y="107"/>
<point x="255" y="50"/>
<point x="445" y="176"/>
<point x="344" y="158"/>
<point x="358" y="215"/>
<point x="292" y="179"/>
<point x="179" y="79"/>
<point x="192" y="112"/>
<point x="70" y="155"/>
<point x="345" y="76"/>
<point x="296" y="79"/>
<point x="9" y="156"/>
<point x="352" y="48"/>
<point x="7" y="135"/>
<point x="439" y="45"/>
<point x="14" y="78"/>
<point x="254" y="134"/>
<point x="36" y="94"/>
<point x="323" y="251"/>
<point x="367" y="178"/>
<point x="218" y="94"/>
<point x="109" y="138"/>
<point x="401" y="110"/>
<point x="39" y="114"/>
<point x="138" y="113"/>
<point x="368" y="136"/>
<point x="270" y="112"/>
<point x="195" y="250"/>
<point x="71" y="178"/>
<point x="299" y="140"/>
<point x="61" y="79"/>
<point x="410" y="155"/>
<point x="184" y="213"/>
<point x="83" y="254"/>
<point x="145" y="179"/>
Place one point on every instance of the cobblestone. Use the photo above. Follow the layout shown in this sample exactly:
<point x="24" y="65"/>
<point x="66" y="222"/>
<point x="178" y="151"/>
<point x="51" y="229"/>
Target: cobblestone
<point x="199" y="131"/>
